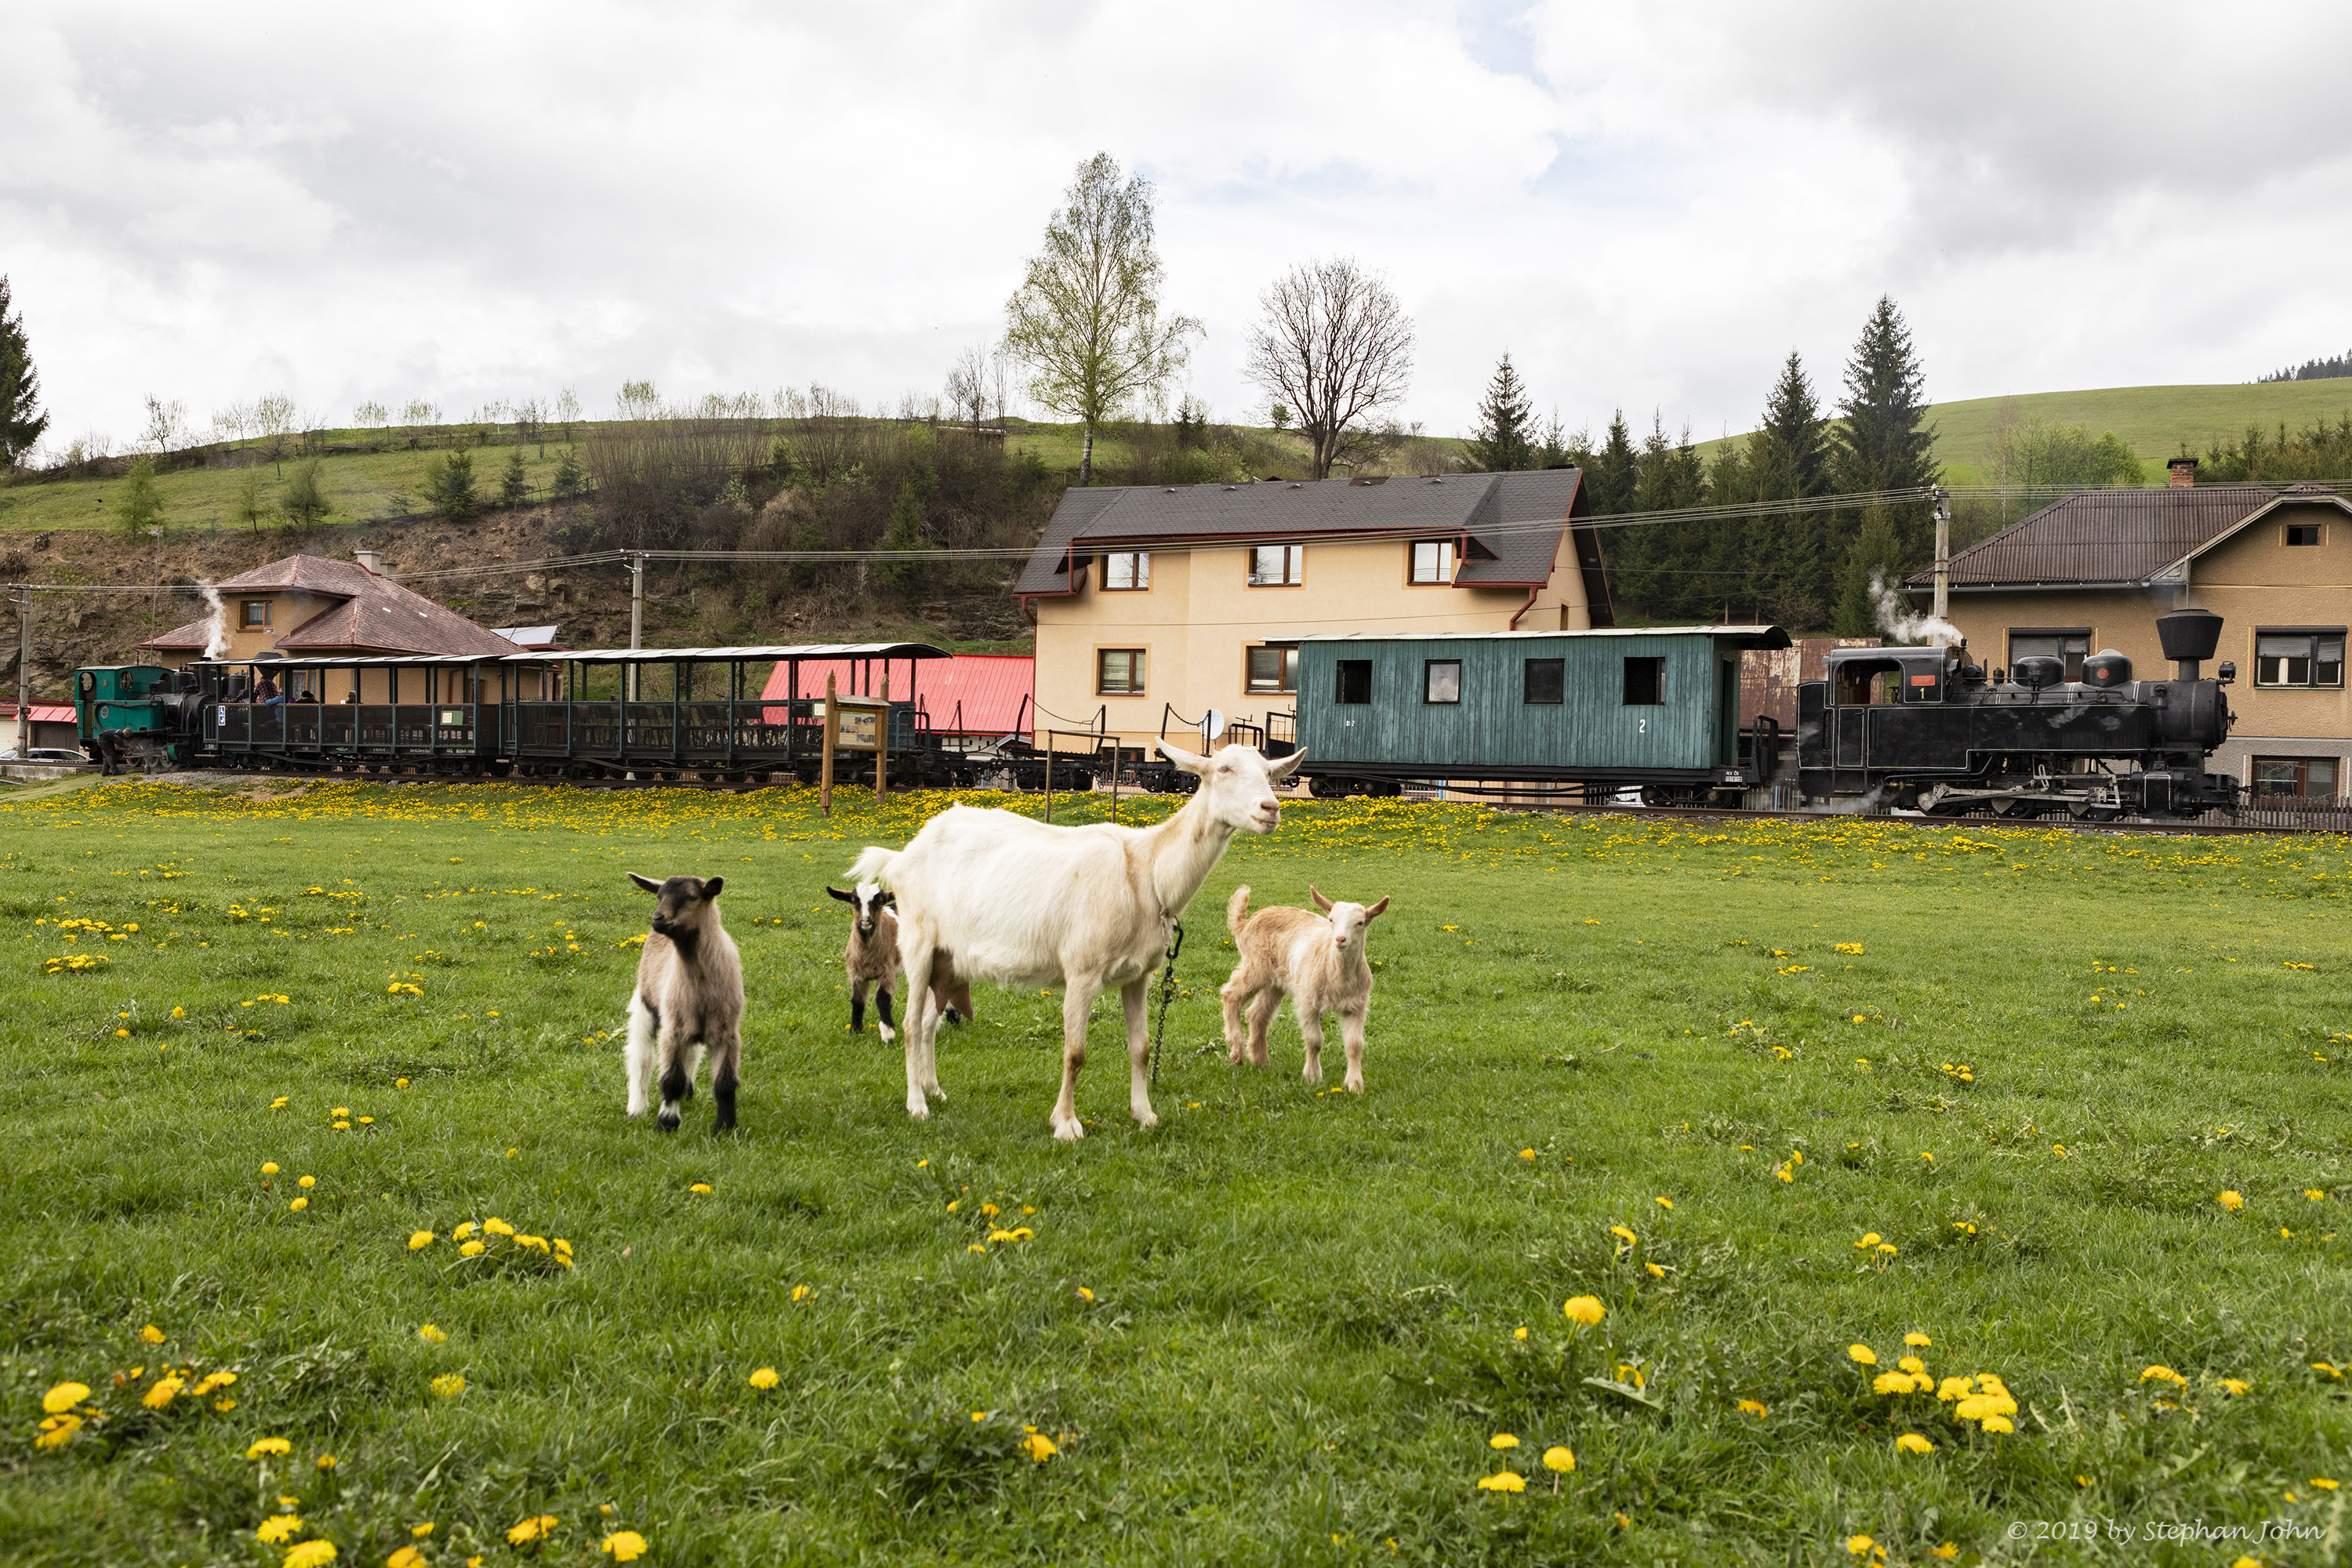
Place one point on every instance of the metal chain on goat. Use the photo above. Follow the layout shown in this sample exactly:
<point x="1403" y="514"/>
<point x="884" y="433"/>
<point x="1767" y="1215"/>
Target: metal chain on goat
<point x="1167" y="995"/>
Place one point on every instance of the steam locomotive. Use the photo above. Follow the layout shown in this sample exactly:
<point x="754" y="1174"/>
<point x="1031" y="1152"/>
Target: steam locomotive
<point x="1926" y="730"/>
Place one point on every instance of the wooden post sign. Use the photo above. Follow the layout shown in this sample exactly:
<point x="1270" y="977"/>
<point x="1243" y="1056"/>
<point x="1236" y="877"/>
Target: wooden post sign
<point x="851" y="725"/>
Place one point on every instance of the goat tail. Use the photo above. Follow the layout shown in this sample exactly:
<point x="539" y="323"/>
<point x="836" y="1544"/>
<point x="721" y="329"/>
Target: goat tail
<point x="1237" y="909"/>
<point x="873" y="865"/>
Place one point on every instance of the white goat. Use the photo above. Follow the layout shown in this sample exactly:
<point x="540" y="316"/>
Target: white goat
<point x="1318" y="963"/>
<point x="1024" y="903"/>
<point x="871" y="959"/>
<point x="689" y="994"/>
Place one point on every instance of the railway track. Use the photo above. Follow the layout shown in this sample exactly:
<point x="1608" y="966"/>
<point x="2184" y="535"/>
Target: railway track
<point x="1556" y="808"/>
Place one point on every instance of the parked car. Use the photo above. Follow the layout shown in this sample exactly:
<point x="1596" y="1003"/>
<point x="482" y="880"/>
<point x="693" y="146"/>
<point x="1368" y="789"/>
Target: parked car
<point x="42" y="754"/>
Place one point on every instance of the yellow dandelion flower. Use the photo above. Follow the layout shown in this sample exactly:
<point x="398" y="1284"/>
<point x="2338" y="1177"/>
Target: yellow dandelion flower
<point x="1666" y="1203"/>
<point x="1039" y="1446"/>
<point x="419" y="1241"/>
<point x="2163" y="1375"/>
<point x="469" y="1250"/>
<point x="1752" y="1407"/>
<point x="764" y="1378"/>
<point x="2230" y="1201"/>
<point x="2315" y="1194"/>
<point x="532" y="1529"/>
<point x="153" y="1335"/>
<point x="432" y="1333"/>
<point x="2236" y="1385"/>
<point x="270" y="1167"/>
<point x="1085" y="1294"/>
<point x="1625" y="1235"/>
<point x="311" y="1554"/>
<point x="1859" y="1545"/>
<point x="299" y="1205"/>
<point x="325" y="1462"/>
<point x="1864" y="1354"/>
<point x="1912" y="1443"/>
<point x="1584" y="1310"/>
<point x="1891" y="1383"/>
<point x="56" y="1431"/>
<point x="626" y="1545"/>
<point x="1502" y="1440"/>
<point x="269" y="1448"/>
<point x="450" y="1385"/>
<point x="1503" y="1481"/>
<point x="1912" y="1364"/>
<point x="1918" y="1340"/>
<point x="1520" y="1332"/>
<point x="1947" y="1551"/>
<point x="407" y="1557"/>
<point x="2322" y="1483"/>
<point x="303" y="1182"/>
<point x="163" y="1391"/>
<point x="1559" y="1460"/>
<point x="1996" y="1424"/>
<point x="1527" y="1153"/>
<point x="700" y="1187"/>
<point x="494" y="1225"/>
<point x="64" y="1398"/>
<point x="281" y="1528"/>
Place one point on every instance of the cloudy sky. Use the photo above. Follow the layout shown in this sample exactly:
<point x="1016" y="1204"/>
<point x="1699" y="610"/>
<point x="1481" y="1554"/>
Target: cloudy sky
<point x="1647" y="205"/>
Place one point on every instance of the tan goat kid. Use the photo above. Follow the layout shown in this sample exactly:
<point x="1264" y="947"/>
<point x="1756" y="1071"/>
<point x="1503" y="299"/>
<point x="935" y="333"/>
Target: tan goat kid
<point x="1318" y="963"/>
<point x="689" y="995"/>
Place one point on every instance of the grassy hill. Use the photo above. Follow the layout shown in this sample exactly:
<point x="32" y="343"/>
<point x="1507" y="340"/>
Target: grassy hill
<point x="2159" y="422"/>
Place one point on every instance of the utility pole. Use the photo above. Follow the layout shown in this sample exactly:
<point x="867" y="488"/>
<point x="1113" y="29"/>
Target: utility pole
<point x="24" y="669"/>
<point x="1943" y="563"/>
<point x="637" y="614"/>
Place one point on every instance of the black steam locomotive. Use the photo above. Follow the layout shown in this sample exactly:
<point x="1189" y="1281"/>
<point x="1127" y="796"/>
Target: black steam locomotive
<point x="1926" y="730"/>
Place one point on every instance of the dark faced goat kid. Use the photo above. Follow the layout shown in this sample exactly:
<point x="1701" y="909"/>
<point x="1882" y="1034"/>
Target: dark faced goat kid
<point x="689" y="995"/>
<point x="871" y="959"/>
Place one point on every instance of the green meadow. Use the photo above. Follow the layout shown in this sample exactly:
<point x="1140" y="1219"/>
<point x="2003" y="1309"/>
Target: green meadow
<point x="2063" y="1117"/>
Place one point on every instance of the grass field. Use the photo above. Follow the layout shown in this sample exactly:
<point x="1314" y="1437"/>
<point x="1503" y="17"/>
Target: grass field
<point x="2157" y="421"/>
<point x="2072" y="1109"/>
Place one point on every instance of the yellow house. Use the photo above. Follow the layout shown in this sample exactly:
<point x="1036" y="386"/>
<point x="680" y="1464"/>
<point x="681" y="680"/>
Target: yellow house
<point x="2094" y="571"/>
<point x="1157" y="607"/>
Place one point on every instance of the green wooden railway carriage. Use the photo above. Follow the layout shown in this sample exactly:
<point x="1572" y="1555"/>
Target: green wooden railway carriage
<point x="1655" y="707"/>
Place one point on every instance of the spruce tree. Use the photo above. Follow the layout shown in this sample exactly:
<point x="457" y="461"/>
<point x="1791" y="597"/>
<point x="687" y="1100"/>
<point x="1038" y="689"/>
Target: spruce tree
<point x="1789" y="460"/>
<point x="1614" y="471"/>
<point x="906" y="532"/>
<point x="21" y="421"/>
<point x="1874" y="563"/>
<point x="514" y="488"/>
<point x="1505" y="439"/>
<point x="1885" y="442"/>
<point x="137" y="507"/>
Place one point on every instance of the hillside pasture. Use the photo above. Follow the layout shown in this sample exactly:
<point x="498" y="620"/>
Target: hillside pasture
<point x="2069" y="1110"/>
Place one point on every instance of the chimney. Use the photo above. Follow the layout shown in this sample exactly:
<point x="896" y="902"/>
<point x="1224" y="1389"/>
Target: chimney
<point x="2182" y="472"/>
<point x="373" y="560"/>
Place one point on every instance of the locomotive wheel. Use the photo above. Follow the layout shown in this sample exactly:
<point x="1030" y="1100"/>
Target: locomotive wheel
<point x="1322" y="788"/>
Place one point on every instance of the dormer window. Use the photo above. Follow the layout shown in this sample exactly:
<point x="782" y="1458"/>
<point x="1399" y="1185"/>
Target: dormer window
<point x="1432" y="561"/>
<point x="253" y="614"/>
<point x="1126" y="571"/>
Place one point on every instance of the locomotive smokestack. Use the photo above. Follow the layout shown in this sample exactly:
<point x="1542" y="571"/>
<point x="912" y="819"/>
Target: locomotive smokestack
<point x="2189" y="638"/>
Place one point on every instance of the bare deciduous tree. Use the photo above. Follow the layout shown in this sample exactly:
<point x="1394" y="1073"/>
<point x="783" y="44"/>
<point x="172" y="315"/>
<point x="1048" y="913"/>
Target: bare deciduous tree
<point x="371" y="415"/>
<point x="167" y="425"/>
<point x="274" y="421"/>
<point x="1336" y="346"/>
<point x="1086" y="319"/>
<point x="968" y="385"/>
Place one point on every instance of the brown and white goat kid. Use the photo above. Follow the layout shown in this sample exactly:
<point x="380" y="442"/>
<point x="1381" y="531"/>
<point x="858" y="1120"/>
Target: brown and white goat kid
<point x="689" y="995"/>
<point x="871" y="959"/>
<point x="1318" y="963"/>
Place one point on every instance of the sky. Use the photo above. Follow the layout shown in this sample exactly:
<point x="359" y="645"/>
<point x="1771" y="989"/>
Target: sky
<point x="1647" y="207"/>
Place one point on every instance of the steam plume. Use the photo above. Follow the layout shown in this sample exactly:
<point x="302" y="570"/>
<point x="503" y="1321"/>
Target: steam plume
<point x="1902" y="623"/>
<point x="217" y="642"/>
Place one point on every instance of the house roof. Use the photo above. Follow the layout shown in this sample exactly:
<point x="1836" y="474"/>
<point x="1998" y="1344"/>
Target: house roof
<point x="1511" y="525"/>
<point x="41" y="713"/>
<point x="970" y="694"/>
<point x="373" y="615"/>
<point x="2120" y="537"/>
<point x="536" y="637"/>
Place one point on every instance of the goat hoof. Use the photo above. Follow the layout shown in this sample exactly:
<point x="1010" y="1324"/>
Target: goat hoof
<point x="918" y="1110"/>
<point x="1355" y="1086"/>
<point x="888" y="1034"/>
<point x="1144" y="1118"/>
<point x="666" y="1123"/>
<point x="1069" y="1131"/>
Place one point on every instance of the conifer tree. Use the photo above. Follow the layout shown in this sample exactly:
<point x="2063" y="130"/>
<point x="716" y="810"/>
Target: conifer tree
<point x="1789" y="460"/>
<point x="514" y="488"/>
<point x="21" y="421"/>
<point x="906" y="532"/>
<point x="1506" y="437"/>
<point x="1611" y="473"/>
<point x="1874" y="562"/>
<point x="137" y="507"/>
<point x="1884" y="442"/>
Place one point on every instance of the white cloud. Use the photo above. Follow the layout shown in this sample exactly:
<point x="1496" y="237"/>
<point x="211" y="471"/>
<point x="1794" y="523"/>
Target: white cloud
<point x="1648" y="208"/>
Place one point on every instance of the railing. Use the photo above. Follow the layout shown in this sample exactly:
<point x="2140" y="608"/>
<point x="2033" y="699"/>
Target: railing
<point x="2318" y="813"/>
<point x="311" y="728"/>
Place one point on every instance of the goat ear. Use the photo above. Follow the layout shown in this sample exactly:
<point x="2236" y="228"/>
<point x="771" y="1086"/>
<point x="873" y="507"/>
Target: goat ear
<point x="845" y="897"/>
<point x="1185" y="761"/>
<point x="1373" y="914"/>
<point x="1320" y="901"/>
<point x="1279" y="771"/>
<point x="710" y="889"/>
<point x="647" y="883"/>
<point x="889" y="901"/>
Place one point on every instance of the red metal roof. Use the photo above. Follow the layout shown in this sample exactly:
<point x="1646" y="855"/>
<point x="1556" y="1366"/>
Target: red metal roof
<point x="42" y="712"/>
<point x="971" y="694"/>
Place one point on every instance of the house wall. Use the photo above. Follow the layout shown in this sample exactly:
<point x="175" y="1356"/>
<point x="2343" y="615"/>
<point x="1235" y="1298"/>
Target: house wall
<point x="2254" y="581"/>
<point x="1200" y="616"/>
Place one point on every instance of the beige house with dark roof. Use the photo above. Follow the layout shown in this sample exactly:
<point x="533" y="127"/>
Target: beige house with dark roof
<point x="2093" y="571"/>
<point x="308" y="607"/>
<point x="1161" y="603"/>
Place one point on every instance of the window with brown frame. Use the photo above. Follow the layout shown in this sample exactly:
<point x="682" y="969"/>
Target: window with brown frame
<point x="1127" y="571"/>
<point x="1277" y="566"/>
<point x="1271" y="668"/>
<point x="2302" y="777"/>
<point x="1119" y="671"/>
<point x="1433" y="563"/>
<point x="253" y="614"/>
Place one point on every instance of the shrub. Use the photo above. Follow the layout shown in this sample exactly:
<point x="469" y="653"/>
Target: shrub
<point x="304" y="500"/>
